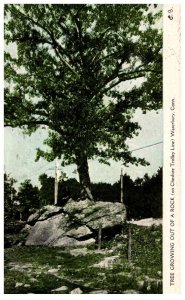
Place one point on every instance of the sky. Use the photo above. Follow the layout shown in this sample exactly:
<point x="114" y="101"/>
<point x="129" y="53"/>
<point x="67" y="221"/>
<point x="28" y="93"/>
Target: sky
<point x="20" y="153"/>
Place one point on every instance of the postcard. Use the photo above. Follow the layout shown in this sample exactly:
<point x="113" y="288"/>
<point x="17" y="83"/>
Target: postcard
<point x="92" y="148"/>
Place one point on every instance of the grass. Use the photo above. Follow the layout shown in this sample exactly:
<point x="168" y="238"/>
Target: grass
<point x="43" y="269"/>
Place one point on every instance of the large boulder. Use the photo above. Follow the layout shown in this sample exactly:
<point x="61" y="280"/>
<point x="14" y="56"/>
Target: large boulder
<point x="47" y="232"/>
<point x="43" y="214"/>
<point x="93" y="214"/>
<point x="76" y="223"/>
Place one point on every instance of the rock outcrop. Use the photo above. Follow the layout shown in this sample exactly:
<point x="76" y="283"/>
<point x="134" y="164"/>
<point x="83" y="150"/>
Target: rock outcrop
<point x="76" y="223"/>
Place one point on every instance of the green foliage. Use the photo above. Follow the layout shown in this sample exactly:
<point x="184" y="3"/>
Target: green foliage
<point x="46" y="190"/>
<point x="144" y="199"/>
<point x="43" y="283"/>
<point x="147" y="247"/>
<point x="69" y="189"/>
<point x="66" y="189"/>
<point x="9" y="198"/>
<point x="103" y="192"/>
<point x="28" y="197"/>
<point x="142" y="196"/>
<point x="69" y="71"/>
<point x="12" y="226"/>
<point x="143" y="273"/>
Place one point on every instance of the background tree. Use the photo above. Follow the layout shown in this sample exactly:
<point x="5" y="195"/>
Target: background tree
<point x="69" y="188"/>
<point x="28" y="197"/>
<point x="152" y="190"/>
<point x="102" y="191"/>
<point x="9" y="198"/>
<point x="144" y="198"/>
<point x="66" y="189"/>
<point x="46" y="190"/>
<point x="69" y="72"/>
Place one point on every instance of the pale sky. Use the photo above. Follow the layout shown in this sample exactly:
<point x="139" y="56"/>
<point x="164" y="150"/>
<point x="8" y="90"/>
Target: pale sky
<point x="20" y="153"/>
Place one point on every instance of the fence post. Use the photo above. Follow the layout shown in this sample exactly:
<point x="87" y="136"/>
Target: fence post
<point x="99" y="236"/>
<point x="129" y="243"/>
<point x="121" y="180"/>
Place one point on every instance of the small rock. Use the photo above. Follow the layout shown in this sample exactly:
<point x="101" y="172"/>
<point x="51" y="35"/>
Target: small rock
<point x="99" y="292"/>
<point x="140" y="284"/>
<point x="107" y="262"/>
<point x="20" y="244"/>
<point x="27" y="285"/>
<point x="157" y="240"/>
<point x="146" y="278"/>
<point x="148" y="287"/>
<point x="60" y="289"/>
<point x="130" y="292"/>
<point x="33" y="279"/>
<point x="52" y="271"/>
<point x="147" y="222"/>
<point x="81" y="231"/>
<point x="78" y="251"/>
<point x="125" y="236"/>
<point x="18" y="284"/>
<point x="69" y="241"/>
<point x="125" y="274"/>
<point x="101" y="274"/>
<point x="76" y="291"/>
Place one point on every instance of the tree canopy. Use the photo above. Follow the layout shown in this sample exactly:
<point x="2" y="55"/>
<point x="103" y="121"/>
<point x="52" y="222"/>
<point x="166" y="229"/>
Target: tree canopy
<point x="71" y="73"/>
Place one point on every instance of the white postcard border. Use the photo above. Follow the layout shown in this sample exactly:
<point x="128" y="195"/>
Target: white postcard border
<point x="171" y="174"/>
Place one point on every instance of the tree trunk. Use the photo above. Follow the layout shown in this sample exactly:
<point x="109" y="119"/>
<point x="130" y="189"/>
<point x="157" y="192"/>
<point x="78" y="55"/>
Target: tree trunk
<point x="83" y="172"/>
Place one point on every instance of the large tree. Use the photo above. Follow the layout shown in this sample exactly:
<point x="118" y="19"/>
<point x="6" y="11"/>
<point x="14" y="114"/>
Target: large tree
<point x="71" y="72"/>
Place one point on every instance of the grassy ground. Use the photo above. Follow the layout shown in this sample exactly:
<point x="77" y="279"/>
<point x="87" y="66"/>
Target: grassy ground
<point x="41" y="270"/>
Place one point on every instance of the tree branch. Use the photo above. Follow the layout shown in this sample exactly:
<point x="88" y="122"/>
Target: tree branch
<point x="124" y="77"/>
<point x="138" y="70"/>
<point x="120" y="80"/>
<point x="79" y="33"/>
<point x="22" y="123"/>
<point x="57" y="47"/>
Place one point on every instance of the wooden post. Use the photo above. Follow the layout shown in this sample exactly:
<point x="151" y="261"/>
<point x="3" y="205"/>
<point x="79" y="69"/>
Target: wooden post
<point x="56" y="185"/>
<point x="121" y="179"/>
<point x="129" y="243"/>
<point x="99" y="236"/>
